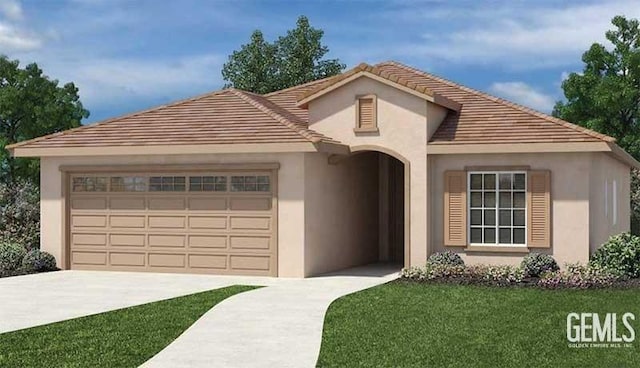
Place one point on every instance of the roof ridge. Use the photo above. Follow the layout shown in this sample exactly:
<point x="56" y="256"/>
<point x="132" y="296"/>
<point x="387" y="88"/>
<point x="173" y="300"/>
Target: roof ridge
<point x="504" y="102"/>
<point x="321" y="80"/>
<point x="251" y="99"/>
<point x="111" y="120"/>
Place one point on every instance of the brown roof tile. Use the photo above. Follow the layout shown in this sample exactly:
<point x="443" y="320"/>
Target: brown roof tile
<point x="487" y="119"/>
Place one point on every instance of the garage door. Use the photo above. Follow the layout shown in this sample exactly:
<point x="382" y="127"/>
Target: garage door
<point x="204" y="222"/>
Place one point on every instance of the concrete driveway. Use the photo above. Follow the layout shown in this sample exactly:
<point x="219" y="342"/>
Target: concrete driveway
<point x="39" y="299"/>
<point x="276" y="326"/>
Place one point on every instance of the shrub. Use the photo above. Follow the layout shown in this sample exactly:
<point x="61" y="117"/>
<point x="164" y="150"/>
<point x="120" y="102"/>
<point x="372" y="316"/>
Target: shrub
<point x="20" y="213"/>
<point x="38" y="261"/>
<point x="11" y="256"/>
<point x="577" y="276"/>
<point x="465" y="274"/>
<point x="500" y="274"/>
<point x="445" y="258"/>
<point x="620" y="255"/>
<point x="535" y="264"/>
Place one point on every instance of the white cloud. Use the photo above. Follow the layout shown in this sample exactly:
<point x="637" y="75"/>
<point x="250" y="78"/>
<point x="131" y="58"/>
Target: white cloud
<point x="14" y="39"/>
<point x="11" y="9"/>
<point x="519" y="35"/>
<point x="523" y="94"/>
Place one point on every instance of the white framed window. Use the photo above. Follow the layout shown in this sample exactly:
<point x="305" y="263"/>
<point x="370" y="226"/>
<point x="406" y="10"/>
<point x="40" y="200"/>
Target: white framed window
<point x="497" y="208"/>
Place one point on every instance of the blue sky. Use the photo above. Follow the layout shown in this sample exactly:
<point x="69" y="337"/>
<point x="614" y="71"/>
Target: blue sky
<point x="127" y="55"/>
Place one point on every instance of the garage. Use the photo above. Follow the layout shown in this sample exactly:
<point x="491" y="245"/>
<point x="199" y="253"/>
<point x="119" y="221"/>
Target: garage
<point x="215" y="222"/>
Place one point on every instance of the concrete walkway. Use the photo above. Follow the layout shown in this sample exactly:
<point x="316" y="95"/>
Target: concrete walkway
<point x="32" y="300"/>
<point x="277" y="326"/>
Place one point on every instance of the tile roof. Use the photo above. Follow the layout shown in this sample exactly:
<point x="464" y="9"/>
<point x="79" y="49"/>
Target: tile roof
<point x="224" y="117"/>
<point x="233" y="116"/>
<point x="487" y="119"/>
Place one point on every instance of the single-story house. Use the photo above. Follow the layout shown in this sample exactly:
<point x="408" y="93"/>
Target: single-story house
<point x="380" y="163"/>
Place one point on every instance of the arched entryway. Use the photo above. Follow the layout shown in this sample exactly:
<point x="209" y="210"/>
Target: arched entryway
<point x="392" y="195"/>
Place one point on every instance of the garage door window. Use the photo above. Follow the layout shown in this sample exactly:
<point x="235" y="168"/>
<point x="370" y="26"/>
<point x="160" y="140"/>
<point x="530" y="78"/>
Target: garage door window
<point x="128" y="184"/>
<point x="167" y="184"/>
<point x="90" y="184"/>
<point x="207" y="183"/>
<point x="251" y="183"/>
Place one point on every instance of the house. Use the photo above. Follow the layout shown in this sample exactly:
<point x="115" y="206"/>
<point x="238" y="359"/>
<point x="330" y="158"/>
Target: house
<point x="380" y="163"/>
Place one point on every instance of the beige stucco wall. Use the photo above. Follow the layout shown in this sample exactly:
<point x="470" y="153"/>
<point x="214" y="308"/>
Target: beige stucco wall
<point x="402" y="123"/>
<point x="570" y="192"/>
<point x="606" y="170"/>
<point x="291" y="212"/>
<point x="341" y="212"/>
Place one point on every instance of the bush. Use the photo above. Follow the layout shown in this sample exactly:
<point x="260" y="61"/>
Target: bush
<point x="20" y="213"/>
<point x="39" y="261"/>
<point x="535" y="264"/>
<point x="619" y="255"/>
<point x="578" y="276"/>
<point x="475" y="274"/>
<point x="11" y="256"/>
<point x="500" y="274"/>
<point x="446" y="258"/>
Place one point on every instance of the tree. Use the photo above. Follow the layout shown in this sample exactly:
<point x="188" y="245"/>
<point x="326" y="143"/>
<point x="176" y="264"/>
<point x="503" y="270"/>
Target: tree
<point x="605" y="97"/>
<point x="293" y="59"/>
<point x="32" y="105"/>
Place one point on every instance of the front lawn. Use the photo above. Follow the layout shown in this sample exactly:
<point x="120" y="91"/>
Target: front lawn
<point x="406" y="324"/>
<point x="122" y="338"/>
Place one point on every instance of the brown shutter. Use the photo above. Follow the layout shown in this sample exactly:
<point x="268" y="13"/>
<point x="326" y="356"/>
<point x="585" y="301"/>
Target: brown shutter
<point x="539" y="209"/>
<point x="455" y="208"/>
<point x="366" y="118"/>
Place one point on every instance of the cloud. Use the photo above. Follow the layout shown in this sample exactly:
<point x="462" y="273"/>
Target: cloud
<point x="519" y="35"/>
<point x="523" y="94"/>
<point x="11" y="9"/>
<point x="14" y="39"/>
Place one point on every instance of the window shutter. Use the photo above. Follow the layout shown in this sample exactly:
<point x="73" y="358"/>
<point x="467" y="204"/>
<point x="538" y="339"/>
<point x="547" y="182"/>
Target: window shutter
<point x="366" y="113"/>
<point x="539" y="209"/>
<point x="455" y="208"/>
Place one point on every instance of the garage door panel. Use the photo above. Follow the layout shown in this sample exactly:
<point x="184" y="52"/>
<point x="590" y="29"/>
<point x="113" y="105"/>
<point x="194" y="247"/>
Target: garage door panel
<point x="207" y="204"/>
<point x="81" y="239"/>
<point x="127" y="203"/>
<point x="208" y="241"/>
<point x="126" y="259"/>
<point x="127" y="222"/>
<point x="167" y="222"/>
<point x="89" y="203"/>
<point x="162" y="240"/>
<point x="214" y="262"/>
<point x="250" y="242"/>
<point x="89" y="258"/>
<point x="208" y="222"/>
<point x="127" y="240"/>
<point x="203" y="230"/>
<point x="250" y="263"/>
<point x="250" y="204"/>
<point x="89" y="220"/>
<point x="166" y="260"/>
<point x="167" y="204"/>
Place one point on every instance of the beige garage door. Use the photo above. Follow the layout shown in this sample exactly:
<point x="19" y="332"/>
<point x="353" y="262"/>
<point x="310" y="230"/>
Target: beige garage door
<point x="204" y="222"/>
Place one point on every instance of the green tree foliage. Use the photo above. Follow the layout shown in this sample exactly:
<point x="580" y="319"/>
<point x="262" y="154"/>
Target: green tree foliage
<point x="605" y="97"/>
<point x="32" y="105"/>
<point x="293" y="59"/>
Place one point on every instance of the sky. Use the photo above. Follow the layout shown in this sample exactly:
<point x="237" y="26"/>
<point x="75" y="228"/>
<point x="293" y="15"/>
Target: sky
<point x="129" y="55"/>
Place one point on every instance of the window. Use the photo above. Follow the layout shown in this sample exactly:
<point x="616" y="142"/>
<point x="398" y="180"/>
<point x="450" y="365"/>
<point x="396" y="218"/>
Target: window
<point x="497" y="208"/>
<point x="614" y="201"/>
<point x="167" y="184"/>
<point x="208" y="183"/>
<point x="366" y="114"/>
<point x="90" y="184"/>
<point x="128" y="184"/>
<point x="251" y="183"/>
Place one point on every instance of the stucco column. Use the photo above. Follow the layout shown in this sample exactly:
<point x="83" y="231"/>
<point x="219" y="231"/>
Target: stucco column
<point x="418" y="209"/>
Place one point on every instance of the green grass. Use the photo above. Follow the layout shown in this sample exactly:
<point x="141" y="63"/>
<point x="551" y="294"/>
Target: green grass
<point x="427" y="325"/>
<point x="121" y="338"/>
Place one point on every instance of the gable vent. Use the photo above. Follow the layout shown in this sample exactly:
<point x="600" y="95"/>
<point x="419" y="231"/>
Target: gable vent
<point x="366" y="114"/>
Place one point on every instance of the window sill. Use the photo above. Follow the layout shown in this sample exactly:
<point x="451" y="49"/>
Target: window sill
<point x="496" y="249"/>
<point x="366" y="130"/>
